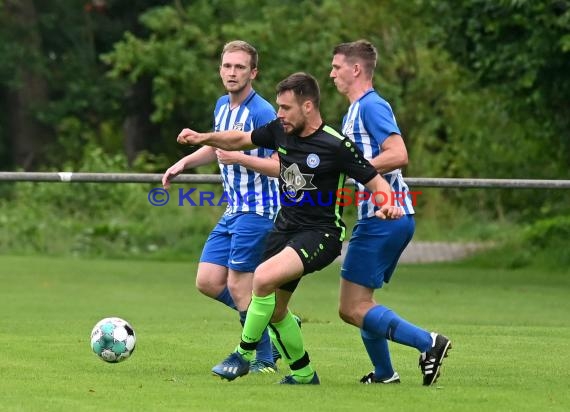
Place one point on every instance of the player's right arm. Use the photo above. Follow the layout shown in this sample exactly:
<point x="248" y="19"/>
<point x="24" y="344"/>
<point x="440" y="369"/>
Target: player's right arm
<point x="360" y="169"/>
<point x="226" y="140"/>
<point x="393" y="155"/>
<point x="380" y="123"/>
<point x="200" y="157"/>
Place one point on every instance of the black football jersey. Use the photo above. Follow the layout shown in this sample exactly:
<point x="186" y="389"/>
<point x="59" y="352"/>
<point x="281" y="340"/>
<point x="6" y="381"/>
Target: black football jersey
<point x="313" y="172"/>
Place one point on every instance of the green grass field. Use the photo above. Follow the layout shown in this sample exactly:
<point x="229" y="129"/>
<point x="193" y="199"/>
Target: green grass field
<point x="510" y="332"/>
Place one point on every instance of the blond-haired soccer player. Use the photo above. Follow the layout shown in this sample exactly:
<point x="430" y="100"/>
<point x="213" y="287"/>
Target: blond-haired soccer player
<point x="233" y="248"/>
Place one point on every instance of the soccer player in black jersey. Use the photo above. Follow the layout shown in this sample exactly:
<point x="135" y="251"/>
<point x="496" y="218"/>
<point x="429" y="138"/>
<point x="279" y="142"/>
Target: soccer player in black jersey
<point x="308" y="232"/>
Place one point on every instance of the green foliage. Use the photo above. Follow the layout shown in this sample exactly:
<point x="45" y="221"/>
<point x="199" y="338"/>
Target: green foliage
<point x="549" y="232"/>
<point x="539" y="244"/>
<point x="183" y="50"/>
<point x="520" y="47"/>
<point x="462" y="122"/>
<point x="181" y="53"/>
<point x="479" y="88"/>
<point x="108" y="220"/>
<point x="71" y="37"/>
<point x="100" y="219"/>
<point x="179" y="58"/>
<point x="81" y="146"/>
<point x="438" y="218"/>
<point x="515" y="40"/>
<point x="547" y="240"/>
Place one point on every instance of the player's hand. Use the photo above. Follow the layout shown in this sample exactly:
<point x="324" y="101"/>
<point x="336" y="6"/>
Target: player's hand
<point x="229" y="158"/>
<point x="172" y="171"/>
<point x="188" y="136"/>
<point x="389" y="212"/>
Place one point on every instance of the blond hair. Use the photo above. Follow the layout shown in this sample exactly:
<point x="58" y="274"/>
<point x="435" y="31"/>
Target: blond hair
<point x="240" y="45"/>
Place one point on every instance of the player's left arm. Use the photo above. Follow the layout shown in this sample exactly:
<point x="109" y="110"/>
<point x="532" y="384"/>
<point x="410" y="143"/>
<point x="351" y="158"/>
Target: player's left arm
<point x="268" y="166"/>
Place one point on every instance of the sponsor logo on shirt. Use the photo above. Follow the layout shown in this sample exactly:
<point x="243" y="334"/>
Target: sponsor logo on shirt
<point x="296" y="181"/>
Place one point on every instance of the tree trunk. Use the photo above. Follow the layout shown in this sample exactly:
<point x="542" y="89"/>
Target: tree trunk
<point x="137" y="127"/>
<point x="27" y="136"/>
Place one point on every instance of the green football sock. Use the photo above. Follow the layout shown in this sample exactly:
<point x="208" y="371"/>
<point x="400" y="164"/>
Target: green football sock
<point x="258" y="315"/>
<point x="304" y="375"/>
<point x="286" y="336"/>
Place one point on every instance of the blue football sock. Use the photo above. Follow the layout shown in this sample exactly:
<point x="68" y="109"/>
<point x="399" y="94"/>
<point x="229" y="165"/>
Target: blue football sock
<point x="381" y="320"/>
<point x="226" y="298"/>
<point x="242" y="316"/>
<point x="377" y="348"/>
<point x="264" y="349"/>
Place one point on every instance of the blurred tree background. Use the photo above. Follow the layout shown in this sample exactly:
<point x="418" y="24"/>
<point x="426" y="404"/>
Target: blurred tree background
<point x="480" y="88"/>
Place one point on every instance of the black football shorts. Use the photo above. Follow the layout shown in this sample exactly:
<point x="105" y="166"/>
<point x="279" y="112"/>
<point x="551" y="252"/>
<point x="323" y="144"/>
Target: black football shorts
<point x="317" y="249"/>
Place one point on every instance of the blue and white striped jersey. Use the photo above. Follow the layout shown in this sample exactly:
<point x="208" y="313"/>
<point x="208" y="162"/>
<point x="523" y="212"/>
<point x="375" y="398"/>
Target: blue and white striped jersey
<point x="368" y="123"/>
<point x="246" y="190"/>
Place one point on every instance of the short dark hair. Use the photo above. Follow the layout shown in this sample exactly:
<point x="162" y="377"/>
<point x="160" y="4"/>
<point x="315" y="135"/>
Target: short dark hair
<point x="240" y="45"/>
<point x="304" y="87"/>
<point x="361" y="50"/>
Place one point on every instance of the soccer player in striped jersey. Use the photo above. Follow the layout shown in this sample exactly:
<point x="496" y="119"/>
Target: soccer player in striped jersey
<point x="233" y="248"/>
<point x="376" y="245"/>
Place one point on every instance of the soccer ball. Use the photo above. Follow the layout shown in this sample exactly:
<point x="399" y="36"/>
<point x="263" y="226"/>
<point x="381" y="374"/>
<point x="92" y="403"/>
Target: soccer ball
<point x="113" y="339"/>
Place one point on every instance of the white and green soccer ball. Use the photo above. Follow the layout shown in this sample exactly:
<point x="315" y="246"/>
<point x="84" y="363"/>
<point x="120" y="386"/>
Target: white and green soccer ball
<point x="113" y="339"/>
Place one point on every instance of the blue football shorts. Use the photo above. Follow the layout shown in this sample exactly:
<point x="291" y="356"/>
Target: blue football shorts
<point x="374" y="249"/>
<point x="237" y="242"/>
